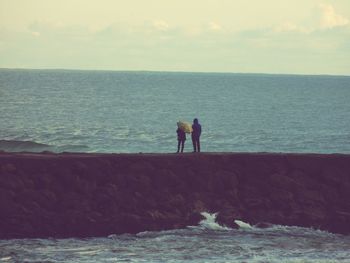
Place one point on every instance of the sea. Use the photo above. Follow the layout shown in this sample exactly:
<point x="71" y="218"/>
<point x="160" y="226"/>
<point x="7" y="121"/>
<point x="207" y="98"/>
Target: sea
<point x="132" y="112"/>
<point x="208" y="242"/>
<point x="137" y="112"/>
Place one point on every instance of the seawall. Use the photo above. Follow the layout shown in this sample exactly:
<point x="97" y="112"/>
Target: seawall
<point x="81" y="195"/>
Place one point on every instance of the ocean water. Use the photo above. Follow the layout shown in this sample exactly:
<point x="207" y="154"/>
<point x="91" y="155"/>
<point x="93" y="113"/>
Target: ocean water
<point x="207" y="242"/>
<point x="102" y="111"/>
<point x="106" y="111"/>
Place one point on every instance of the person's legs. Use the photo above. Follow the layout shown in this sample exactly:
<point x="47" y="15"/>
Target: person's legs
<point x="194" y="143"/>
<point x="178" y="145"/>
<point x="182" y="146"/>
<point x="198" y="145"/>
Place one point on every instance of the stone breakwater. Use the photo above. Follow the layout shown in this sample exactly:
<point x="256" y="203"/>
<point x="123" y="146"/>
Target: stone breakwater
<point x="81" y="195"/>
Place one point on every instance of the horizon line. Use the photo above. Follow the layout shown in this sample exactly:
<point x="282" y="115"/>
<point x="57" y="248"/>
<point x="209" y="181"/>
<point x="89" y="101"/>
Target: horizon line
<point x="179" y="71"/>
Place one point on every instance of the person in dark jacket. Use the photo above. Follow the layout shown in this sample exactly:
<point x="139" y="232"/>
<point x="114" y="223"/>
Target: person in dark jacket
<point x="196" y="134"/>
<point x="181" y="138"/>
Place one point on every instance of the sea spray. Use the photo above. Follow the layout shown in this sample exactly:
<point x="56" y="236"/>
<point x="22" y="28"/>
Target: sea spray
<point x="209" y="222"/>
<point x="207" y="242"/>
<point x="243" y="225"/>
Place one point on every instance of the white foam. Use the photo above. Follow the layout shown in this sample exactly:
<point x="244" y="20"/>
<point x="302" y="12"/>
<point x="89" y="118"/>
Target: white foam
<point x="209" y="222"/>
<point x="242" y="224"/>
<point x="5" y="258"/>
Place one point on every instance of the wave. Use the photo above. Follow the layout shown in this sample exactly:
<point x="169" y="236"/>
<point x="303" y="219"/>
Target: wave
<point x="20" y="146"/>
<point x="31" y="146"/>
<point x="243" y="225"/>
<point x="209" y="222"/>
<point x="245" y="233"/>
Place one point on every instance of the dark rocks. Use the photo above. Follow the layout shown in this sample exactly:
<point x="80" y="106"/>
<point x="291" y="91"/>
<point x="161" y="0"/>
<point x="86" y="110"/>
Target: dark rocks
<point x="282" y="182"/>
<point x="80" y="195"/>
<point x="194" y="218"/>
<point x="339" y="222"/>
<point x="227" y="218"/>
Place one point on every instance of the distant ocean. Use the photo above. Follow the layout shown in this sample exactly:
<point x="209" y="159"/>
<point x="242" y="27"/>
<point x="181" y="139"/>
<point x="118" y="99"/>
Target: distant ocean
<point x="132" y="112"/>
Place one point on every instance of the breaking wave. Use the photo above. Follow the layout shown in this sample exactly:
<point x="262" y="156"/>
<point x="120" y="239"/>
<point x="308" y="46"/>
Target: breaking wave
<point x="207" y="242"/>
<point x="31" y="146"/>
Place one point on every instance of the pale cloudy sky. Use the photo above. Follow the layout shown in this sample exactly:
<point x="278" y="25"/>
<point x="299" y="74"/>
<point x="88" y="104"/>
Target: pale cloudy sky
<point x="257" y="36"/>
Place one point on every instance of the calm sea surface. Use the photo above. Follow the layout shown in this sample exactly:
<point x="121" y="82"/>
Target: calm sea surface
<point x="100" y="111"/>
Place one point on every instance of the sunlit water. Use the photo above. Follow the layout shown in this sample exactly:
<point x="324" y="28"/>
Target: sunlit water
<point x="206" y="243"/>
<point x="105" y="111"/>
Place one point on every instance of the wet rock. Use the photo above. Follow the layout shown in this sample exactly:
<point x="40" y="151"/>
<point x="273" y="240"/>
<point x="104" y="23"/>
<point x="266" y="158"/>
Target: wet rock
<point x="199" y="206"/>
<point x="231" y="195"/>
<point x="339" y="222"/>
<point x="130" y="223"/>
<point x="227" y="218"/>
<point x="312" y="216"/>
<point x="194" y="218"/>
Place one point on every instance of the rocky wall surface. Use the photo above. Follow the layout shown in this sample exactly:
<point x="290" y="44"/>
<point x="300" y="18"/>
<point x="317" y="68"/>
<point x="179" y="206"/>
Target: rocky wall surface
<point x="82" y="195"/>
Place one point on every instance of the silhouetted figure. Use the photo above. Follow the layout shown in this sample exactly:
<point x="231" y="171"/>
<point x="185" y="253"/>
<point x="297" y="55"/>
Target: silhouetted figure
<point x="196" y="134"/>
<point x="181" y="138"/>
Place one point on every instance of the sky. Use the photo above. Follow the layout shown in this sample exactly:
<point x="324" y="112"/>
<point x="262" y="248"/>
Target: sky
<point x="241" y="36"/>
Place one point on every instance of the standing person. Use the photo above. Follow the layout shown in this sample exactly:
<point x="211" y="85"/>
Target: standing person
<point x="181" y="138"/>
<point x="196" y="133"/>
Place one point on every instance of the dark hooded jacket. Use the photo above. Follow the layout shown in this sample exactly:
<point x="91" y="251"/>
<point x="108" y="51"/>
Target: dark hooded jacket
<point x="197" y="129"/>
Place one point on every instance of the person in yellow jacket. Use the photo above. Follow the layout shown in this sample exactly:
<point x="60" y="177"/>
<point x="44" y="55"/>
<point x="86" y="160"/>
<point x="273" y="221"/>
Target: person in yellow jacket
<point x="181" y="138"/>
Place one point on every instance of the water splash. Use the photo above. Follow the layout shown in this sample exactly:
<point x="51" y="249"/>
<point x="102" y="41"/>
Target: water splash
<point x="209" y="222"/>
<point x="243" y="225"/>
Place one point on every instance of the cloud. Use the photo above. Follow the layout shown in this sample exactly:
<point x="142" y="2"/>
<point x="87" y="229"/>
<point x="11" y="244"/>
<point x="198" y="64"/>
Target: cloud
<point x="324" y="17"/>
<point x="329" y="18"/>
<point x="160" y="25"/>
<point x="36" y="34"/>
<point x="290" y="27"/>
<point x="215" y="26"/>
<point x="156" y="44"/>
